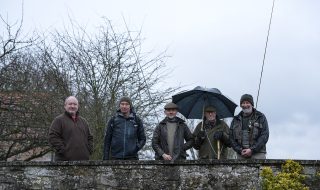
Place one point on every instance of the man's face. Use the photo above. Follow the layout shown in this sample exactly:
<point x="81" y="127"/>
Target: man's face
<point x="71" y="105"/>
<point x="171" y="113"/>
<point x="210" y="115"/>
<point x="124" y="107"/>
<point x="246" y="105"/>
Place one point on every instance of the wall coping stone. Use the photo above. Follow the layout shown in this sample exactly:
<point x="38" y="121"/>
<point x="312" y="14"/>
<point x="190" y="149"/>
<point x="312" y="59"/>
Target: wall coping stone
<point x="145" y="174"/>
<point x="266" y="162"/>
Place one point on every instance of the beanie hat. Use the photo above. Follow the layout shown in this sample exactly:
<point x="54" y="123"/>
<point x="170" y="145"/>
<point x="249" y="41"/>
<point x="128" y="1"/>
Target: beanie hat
<point x="125" y="99"/>
<point x="247" y="97"/>
<point x="171" y="105"/>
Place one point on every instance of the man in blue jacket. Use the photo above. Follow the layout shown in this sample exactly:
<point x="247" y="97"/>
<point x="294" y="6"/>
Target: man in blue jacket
<point x="125" y="134"/>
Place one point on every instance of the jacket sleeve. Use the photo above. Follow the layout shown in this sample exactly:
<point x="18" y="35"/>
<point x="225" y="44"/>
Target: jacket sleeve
<point x="188" y="137"/>
<point x="197" y="139"/>
<point x="55" y="136"/>
<point x="107" y="139"/>
<point x="156" y="142"/>
<point x="90" y="140"/>
<point x="264" y="136"/>
<point x="226" y="135"/>
<point x="236" y="146"/>
<point x="141" y="135"/>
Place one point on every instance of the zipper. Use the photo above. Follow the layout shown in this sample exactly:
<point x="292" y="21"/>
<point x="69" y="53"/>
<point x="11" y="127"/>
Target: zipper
<point x="124" y="138"/>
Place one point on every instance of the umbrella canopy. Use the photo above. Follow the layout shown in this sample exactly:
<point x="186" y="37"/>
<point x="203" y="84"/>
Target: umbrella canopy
<point x="191" y="103"/>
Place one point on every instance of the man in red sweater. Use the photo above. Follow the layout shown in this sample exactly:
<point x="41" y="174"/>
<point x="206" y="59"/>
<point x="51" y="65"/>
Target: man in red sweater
<point x="69" y="134"/>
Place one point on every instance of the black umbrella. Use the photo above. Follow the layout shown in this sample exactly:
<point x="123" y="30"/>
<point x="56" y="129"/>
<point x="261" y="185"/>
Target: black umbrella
<point x="191" y="103"/>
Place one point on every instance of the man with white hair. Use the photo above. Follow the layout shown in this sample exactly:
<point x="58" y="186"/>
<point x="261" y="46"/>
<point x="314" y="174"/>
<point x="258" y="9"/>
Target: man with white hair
<point x="70" y="135"/>
<point x="208" y="133"/>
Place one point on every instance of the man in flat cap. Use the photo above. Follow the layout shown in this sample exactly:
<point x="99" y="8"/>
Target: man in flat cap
<point x="169" y="136"/>
<point x="207" y="135"/>
<point x="125" y="134"/>
<point x="249" y="131"/>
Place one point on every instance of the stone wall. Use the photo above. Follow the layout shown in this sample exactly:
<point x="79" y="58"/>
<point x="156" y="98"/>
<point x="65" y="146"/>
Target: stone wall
<point x="190" y="174"/>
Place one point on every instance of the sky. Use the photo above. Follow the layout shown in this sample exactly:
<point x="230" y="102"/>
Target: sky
<point x="219" y="44"/>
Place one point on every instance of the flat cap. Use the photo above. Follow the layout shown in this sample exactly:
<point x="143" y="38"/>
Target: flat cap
<point x="171" y="105"/>
<point x="210" y="109"/>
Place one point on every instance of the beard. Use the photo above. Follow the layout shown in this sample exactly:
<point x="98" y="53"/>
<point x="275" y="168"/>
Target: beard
<point x="247" y="110"/>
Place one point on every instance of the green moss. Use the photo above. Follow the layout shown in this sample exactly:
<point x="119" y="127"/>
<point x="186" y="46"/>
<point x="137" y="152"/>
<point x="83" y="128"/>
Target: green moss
<point x="290" y="177"/>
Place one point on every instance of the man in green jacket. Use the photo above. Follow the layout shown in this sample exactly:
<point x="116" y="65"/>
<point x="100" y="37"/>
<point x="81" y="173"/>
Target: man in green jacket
<point x="208" y="135"/>
<point x="69" y="134"/>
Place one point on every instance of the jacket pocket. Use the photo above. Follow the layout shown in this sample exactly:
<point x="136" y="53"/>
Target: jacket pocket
<point x="257" y="127"/>
<point x="132" y="150"/>
<point x="237" y="134"/>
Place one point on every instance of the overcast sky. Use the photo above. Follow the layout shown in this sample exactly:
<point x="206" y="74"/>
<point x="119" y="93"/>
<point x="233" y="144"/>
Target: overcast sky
<point x="219" y="44"/>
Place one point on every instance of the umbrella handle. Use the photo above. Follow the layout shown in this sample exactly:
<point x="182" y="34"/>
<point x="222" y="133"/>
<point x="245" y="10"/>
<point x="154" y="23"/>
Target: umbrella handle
<point x="202" y="118"/>
<point x="218" y="147"/>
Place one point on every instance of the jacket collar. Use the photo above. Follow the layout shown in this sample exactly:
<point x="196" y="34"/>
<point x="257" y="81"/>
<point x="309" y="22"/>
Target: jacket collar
<point x="70" y="116"/>
<point x="131" y="115"/>
<point x="255" y="114"/>
<point x="165" y="120"/>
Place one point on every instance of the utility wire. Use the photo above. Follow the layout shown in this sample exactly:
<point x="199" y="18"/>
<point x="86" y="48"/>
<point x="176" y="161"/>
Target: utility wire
<point x="264" y="55"/>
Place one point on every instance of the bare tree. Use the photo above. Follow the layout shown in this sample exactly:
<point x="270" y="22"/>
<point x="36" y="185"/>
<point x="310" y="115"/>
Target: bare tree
<point x="17" y="104"/>
<point x="29" y="93"/>
<point x="12" y="39"/>
<point x="36" y="77"/>
<point x="105" y="67"/>
<point x="28" y="105"/>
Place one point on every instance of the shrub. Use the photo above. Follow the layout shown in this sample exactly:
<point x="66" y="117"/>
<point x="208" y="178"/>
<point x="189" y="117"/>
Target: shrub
<point x="290" y="177"/>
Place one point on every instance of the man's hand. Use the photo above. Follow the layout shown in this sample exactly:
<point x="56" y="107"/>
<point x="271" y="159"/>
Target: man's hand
<point x="166" y="157"/>
<point x="218" y="135"/>
<point x="246" y="152"/>
<point x="202" y="134"/>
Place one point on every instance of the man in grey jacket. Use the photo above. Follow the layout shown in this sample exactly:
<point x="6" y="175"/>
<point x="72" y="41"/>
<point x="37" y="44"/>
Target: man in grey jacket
<point x="249" y="131"/>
